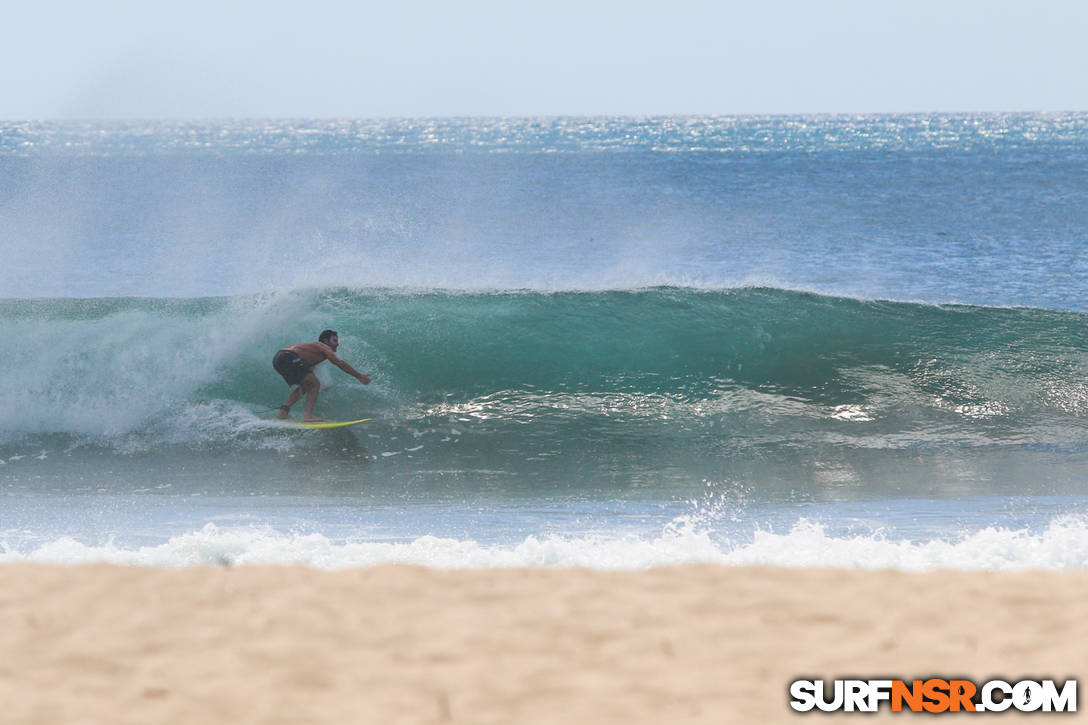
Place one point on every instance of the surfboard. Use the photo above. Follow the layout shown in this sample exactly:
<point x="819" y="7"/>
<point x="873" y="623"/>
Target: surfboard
<point x="324" y="424"/>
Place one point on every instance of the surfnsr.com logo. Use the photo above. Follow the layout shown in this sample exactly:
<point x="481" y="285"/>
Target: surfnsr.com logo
<point x="933" y="695"/>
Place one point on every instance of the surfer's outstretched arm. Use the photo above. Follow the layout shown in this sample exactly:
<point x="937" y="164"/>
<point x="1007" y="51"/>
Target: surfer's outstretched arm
<point x="364" y="379"/>
<point x="343" y="365"/>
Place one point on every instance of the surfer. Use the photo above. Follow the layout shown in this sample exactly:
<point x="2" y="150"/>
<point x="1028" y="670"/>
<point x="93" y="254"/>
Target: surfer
<point x="296" y="364"/>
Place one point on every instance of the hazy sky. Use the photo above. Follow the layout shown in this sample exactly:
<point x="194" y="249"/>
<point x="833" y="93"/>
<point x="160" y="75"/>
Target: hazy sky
<point x="318" y="58"/>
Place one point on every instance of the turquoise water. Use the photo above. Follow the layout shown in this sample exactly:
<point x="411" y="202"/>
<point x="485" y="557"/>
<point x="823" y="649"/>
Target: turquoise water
<point x="853" y="341"/>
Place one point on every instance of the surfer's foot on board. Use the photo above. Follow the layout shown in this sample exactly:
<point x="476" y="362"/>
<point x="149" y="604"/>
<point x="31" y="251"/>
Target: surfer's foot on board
<point x="284" y="412"/>
<point x="311" y="419"/>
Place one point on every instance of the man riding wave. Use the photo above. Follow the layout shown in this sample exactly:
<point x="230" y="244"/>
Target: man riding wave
<point x="296" y="364"/>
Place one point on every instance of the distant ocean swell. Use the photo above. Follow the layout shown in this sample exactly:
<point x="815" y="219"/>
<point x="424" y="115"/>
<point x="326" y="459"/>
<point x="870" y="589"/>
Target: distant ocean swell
<point x="763" y="366"/>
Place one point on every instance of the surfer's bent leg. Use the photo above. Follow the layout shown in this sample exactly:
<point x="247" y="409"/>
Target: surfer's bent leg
<point x="311" y="386"/>
<point x="285" y="409"/>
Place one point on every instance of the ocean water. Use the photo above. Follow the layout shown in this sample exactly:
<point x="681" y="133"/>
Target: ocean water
<point x="609" y="342"/>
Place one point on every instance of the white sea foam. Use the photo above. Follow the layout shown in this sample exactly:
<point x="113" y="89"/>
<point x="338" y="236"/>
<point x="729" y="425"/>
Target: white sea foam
<point x="1063" y="545"/>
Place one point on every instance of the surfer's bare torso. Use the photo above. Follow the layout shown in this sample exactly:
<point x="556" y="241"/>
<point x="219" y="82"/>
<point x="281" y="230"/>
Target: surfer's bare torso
<point x="314" y="353"/>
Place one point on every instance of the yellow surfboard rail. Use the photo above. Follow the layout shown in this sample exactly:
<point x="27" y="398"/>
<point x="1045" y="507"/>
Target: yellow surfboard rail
<point x="324" y="424"/>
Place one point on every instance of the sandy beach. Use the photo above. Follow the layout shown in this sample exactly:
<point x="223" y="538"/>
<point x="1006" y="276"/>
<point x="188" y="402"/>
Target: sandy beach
<point x="397" y="644"/>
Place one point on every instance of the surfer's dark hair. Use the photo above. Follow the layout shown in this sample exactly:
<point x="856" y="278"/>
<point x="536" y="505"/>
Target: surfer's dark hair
<point x="326" y="334"/>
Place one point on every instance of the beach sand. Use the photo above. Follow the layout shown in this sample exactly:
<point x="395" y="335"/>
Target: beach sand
<point x="400" y="644"/>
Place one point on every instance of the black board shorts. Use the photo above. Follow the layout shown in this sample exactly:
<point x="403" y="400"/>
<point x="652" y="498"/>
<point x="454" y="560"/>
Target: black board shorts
<point x="288" y="364"/>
